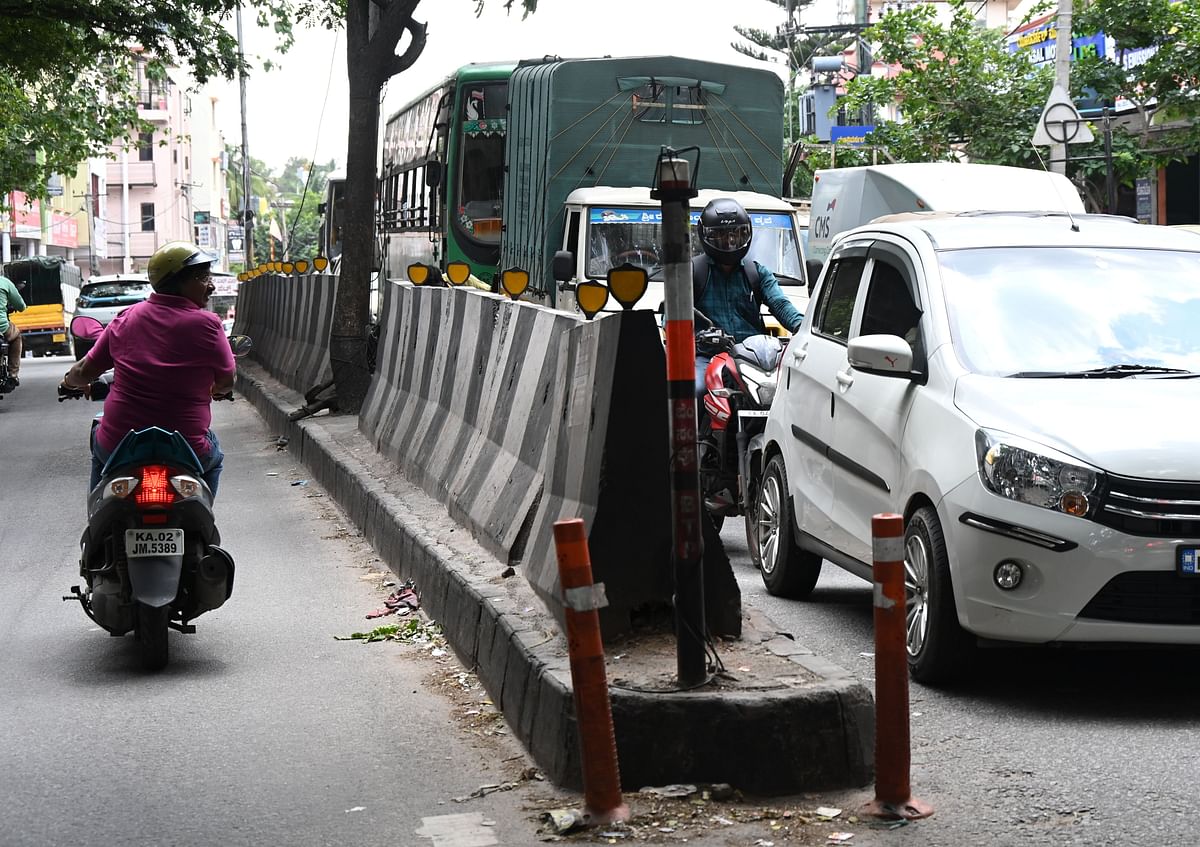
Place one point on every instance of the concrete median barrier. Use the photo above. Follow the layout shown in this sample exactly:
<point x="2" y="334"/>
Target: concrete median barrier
<point x="289" y="318"/>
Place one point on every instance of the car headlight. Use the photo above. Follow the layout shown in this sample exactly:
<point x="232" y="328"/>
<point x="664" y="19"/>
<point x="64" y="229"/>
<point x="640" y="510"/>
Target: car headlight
<point x="1036" y="475"/>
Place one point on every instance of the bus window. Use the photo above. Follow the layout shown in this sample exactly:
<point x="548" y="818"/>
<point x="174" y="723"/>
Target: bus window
<point x="481" y="162"/>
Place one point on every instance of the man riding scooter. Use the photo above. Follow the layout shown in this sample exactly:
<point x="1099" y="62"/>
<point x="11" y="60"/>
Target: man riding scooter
<point x="171" y="359"/>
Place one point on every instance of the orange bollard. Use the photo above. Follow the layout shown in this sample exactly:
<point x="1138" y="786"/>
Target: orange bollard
<point x="593" y="712"/>
<point x="893" y="759"/>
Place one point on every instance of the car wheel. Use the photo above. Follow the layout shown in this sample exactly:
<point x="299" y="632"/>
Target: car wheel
<point x="787" y="570"/>
<point x="937" y="646"/>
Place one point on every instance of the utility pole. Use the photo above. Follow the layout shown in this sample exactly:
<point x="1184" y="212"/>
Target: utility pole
<point x="247" y="214"/>
<point x="1062" y="74"/>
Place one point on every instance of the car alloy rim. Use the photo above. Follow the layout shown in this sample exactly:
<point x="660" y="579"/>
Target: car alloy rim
<point x="916" y="592"/>
<point x="767" y="526"/>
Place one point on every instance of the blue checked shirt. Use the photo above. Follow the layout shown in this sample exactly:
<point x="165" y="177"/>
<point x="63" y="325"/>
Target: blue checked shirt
<point x="729" y="302"/>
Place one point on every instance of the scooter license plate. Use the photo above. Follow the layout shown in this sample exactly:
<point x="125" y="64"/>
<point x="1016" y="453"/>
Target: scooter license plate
<point x="141" y="543"/>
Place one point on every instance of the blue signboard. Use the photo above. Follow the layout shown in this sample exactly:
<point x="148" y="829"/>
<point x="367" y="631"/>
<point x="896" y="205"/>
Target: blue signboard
<point x="851" y="135"/>
<point x="609" y="215"/>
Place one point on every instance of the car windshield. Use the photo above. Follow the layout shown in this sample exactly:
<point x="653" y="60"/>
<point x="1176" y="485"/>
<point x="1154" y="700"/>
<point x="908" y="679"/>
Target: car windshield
<point x="116" y="291"/>
<point x="1063" y="311"/>
<point x="619" y="235"/>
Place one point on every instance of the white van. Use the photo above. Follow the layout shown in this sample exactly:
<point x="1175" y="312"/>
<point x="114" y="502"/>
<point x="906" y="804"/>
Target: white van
<point x="844" y="198"/>
<point x="610" y="226"/>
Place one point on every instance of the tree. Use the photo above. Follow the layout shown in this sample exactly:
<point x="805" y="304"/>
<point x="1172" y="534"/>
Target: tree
<point x="796" y="46"/>
<point x="67" y="83"/>
<point x="961" y="93"/>
<point x="1164" y="87"/>
<point x="374" y="29"/>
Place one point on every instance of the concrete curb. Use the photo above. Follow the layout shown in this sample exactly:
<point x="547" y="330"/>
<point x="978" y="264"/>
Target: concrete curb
<point x="815" y="737"/>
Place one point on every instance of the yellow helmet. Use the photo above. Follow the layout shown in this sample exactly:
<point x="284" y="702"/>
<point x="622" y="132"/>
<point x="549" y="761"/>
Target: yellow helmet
<point x="173" y="257"/>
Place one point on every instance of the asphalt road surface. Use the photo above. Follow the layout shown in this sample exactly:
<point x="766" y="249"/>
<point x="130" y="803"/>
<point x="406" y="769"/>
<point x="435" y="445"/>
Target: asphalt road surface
<point x="1038" y="745"/>
<point x="264" y="729"/>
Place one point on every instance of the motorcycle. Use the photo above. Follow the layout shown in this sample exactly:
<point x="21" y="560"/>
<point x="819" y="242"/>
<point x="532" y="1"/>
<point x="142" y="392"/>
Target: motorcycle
<point x="150" y="555"/>
<point x="740" y="384"/>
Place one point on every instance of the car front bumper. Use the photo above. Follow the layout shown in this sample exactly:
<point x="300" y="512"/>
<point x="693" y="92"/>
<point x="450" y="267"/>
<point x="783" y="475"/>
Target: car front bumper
<point x="1082" y="581"/>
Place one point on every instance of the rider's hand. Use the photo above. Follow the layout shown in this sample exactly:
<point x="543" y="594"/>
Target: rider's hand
<point x="66" y="391"/>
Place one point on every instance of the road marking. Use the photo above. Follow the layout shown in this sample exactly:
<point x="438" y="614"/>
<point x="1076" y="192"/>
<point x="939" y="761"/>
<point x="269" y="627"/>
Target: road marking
<point x="465" y="830"/>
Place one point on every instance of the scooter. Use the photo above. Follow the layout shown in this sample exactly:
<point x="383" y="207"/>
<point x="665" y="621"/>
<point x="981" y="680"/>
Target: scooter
<point x="150" y="555"/>
<point x="740" y="384"/>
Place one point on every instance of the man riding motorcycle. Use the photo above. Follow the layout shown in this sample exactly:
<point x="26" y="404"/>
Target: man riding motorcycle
<point x="171" y="359"/>
<point x="730" y="290"/>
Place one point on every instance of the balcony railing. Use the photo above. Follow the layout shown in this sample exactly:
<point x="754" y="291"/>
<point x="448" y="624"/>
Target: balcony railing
<point x="140" y="173"/>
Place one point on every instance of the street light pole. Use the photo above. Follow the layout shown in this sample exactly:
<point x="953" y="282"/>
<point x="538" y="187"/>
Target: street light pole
<point x="1062" y="74"/>
<point x="247" y="220"/>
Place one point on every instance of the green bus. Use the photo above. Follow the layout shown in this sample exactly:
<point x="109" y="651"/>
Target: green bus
<point x="479" y="168"/>
<point x="443" y="173"/>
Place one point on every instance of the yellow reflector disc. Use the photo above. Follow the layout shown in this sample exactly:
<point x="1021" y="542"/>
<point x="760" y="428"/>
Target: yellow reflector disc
<point x="320" y="263"/>
<point x="458" y="272"/>
<point x="418" y="274"/>
<point x="591" y="296"/>
<point x="302" y="266"/>
<point x="288" y="267"/>
<point x="514" y="281"/>
<point x="627" y="284"/>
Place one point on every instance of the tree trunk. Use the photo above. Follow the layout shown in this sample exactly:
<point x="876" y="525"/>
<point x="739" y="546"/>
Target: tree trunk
<point x="348" y="338"/>
<point x="372" y="33"/>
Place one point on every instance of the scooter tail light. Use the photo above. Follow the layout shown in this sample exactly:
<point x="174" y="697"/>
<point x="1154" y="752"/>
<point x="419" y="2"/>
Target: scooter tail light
<point x="155" y="489"/>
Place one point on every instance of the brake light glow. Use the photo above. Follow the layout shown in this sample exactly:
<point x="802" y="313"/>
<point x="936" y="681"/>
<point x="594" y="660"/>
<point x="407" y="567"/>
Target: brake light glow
<point x="155" y="489"/>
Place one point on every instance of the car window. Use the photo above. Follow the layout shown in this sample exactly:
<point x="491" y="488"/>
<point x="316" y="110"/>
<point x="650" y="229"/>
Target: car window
<point x="890" y="307"/>
<point x="837" y="297"/>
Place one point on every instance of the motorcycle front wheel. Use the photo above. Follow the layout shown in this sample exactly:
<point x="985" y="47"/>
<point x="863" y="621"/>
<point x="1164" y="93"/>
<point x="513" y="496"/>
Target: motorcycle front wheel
<point x="151" y="633"/>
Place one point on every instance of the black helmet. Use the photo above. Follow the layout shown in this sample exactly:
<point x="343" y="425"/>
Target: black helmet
<point x="725" y="231"/>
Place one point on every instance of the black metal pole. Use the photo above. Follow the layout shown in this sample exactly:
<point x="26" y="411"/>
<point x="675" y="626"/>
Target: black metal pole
<point x="673" y="188"/>
<point x="1110" y="183"/>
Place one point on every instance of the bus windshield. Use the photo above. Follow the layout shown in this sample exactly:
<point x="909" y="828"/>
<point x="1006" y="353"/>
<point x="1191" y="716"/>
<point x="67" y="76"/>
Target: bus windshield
<point x="616" y="236"/>
<point x="481" y="160"/>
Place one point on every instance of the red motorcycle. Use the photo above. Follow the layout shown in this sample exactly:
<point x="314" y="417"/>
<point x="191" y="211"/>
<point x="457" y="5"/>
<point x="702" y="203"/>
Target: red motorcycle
<point x="740" y="384"/>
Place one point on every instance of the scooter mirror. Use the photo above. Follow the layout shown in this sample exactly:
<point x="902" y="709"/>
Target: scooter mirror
<point x="86" y="327"/>
<point x="240" y="345"/>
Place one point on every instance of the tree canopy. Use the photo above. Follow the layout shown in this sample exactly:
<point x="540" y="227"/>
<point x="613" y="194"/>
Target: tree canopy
<point x="962" y="93"/>
<point x="67" y="70"/>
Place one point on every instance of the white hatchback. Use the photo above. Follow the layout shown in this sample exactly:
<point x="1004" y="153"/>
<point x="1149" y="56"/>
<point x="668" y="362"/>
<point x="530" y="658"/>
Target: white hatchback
<point x="1024" y="390"/>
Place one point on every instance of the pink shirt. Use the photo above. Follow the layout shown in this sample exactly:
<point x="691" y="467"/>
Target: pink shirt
<point x="168" y="353"/>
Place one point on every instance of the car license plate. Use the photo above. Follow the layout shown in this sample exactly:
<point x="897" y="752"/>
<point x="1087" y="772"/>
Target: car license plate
<point x="1187" y="561"/>
<point x="141" y="543"/>
<point x="752" y="413"/>
<point x="59" y="336"/>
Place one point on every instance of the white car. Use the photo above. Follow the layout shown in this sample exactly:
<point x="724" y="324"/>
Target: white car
<point x="1024" y="390"/>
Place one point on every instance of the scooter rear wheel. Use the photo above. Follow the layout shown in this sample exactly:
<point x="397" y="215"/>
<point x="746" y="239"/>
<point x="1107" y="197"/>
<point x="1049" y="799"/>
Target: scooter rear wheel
<point x="151" y="633"/>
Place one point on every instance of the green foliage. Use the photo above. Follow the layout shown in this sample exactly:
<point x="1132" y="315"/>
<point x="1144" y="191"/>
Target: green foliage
<point x="961" y="92"/>
<point x="292" y="197"/>
<point x="67" y="83"/>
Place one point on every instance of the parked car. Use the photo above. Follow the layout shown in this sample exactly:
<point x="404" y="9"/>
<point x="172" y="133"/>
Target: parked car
<point x="102" y="297"/>
<point x="1023" y="389"/>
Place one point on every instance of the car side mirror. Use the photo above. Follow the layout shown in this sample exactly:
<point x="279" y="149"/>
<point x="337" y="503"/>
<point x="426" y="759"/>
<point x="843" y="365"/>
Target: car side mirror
<point x="813" y="268"/>
<point x="882" y="355"/>
<point x="563" y="265"/>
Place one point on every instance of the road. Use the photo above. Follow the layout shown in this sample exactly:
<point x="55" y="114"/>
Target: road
<point x="1039" y="745"/>
<point x="264" y="729"/>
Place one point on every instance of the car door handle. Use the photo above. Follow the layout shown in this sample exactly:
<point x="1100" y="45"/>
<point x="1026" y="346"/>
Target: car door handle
<point x="799" y="353"/>
<point x="845" y="379"/>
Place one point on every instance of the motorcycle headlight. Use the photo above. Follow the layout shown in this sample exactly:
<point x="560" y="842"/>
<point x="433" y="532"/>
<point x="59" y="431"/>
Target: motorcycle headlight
<point x="1036" y="475"/>
<point x="758" y="391"/>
